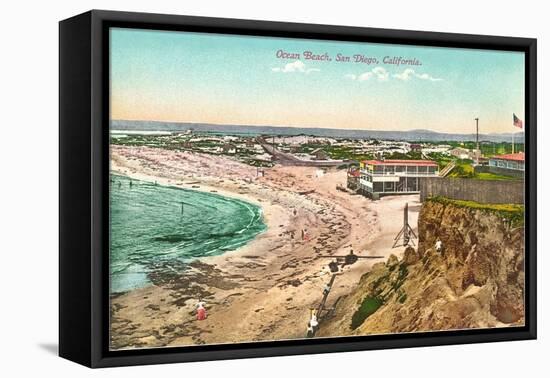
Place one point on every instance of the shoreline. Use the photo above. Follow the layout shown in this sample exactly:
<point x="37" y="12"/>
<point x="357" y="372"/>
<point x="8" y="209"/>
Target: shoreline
<point x="263" y="290"/>
<point x="267" y="209"/>
<point x="152" y="180"/>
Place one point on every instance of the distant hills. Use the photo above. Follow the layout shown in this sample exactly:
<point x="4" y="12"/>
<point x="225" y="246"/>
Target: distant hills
<point x="410" y="135"/>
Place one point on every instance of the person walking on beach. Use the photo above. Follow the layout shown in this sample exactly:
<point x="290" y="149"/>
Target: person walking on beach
<point x="439" y="246"/>
<point x="201" y="311"/>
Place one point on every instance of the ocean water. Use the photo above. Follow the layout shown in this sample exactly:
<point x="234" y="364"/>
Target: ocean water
<point x="153" y="225"/>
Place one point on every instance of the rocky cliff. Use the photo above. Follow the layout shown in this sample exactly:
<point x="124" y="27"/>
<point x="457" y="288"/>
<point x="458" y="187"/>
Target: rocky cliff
<point x="475" y="281"/>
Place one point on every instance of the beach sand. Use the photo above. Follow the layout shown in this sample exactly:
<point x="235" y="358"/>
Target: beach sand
<point x="264" y="290"/>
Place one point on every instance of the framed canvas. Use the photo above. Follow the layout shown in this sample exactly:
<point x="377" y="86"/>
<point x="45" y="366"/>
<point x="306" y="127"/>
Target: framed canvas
<point x="234" y="188"/>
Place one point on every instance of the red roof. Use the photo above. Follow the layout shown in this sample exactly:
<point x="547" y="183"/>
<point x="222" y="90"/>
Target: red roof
<point x="520" y="156"/>
<point x="354" y="173"/>
<point x="422" y="163"/>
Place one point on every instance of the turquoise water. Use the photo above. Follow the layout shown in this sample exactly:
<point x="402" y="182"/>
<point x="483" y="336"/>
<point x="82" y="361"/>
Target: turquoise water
<point x="149" y="228"/>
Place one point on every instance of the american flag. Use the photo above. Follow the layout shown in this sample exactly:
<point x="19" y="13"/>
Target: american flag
<point x="518" y="122"/>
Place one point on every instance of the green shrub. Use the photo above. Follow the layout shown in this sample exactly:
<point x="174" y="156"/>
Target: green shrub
<point x="513" y="213"/>
<point x="368" y="307"/>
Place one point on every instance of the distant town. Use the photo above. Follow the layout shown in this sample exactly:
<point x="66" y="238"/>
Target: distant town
<point x="375" y="167"/>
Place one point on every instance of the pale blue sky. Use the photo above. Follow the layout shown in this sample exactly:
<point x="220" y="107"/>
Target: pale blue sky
<point x="211" y="78"/>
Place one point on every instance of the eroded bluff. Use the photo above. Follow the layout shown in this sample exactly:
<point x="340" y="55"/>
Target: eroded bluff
<point x="475" y="281"/>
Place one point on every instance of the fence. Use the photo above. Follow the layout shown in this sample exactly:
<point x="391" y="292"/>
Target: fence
<point x="499" y="171"/>
<point x="482" y="191"/>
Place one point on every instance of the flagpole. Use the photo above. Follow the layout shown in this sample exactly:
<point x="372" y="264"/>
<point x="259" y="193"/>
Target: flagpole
<point x="512" y="142"/>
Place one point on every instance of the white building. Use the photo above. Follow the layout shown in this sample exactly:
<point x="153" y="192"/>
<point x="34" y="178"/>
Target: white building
<point x="384" y="177"/>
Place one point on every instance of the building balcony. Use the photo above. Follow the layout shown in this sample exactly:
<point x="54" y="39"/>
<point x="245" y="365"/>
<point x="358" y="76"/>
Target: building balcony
<point x="401" y="174"/>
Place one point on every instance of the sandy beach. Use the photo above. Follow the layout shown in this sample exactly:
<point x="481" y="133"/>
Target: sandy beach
<point x="264" y="290"/>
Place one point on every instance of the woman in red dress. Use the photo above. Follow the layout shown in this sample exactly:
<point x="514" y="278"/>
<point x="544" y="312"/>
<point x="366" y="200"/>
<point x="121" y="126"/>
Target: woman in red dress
<point x="201" y="312"/>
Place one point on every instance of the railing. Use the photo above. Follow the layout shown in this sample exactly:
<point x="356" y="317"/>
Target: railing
<point x="434" y="174"/>
<point x="448" y="168"/>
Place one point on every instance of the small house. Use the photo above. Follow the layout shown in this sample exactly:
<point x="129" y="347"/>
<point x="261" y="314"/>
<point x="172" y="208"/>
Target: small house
<point x="460" y="153"/>
<point x="508" y="164"/>
<point x="353" y="178"/>
<point x="415" y="147"/>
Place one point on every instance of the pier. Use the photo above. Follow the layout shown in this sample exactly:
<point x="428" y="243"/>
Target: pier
<point x="285" y="158"/>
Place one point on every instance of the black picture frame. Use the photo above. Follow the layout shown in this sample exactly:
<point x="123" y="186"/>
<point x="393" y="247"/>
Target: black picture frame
<point x="83" y="194"/>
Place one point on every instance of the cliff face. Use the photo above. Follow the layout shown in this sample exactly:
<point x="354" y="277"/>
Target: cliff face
<point x="476" y="281"/>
